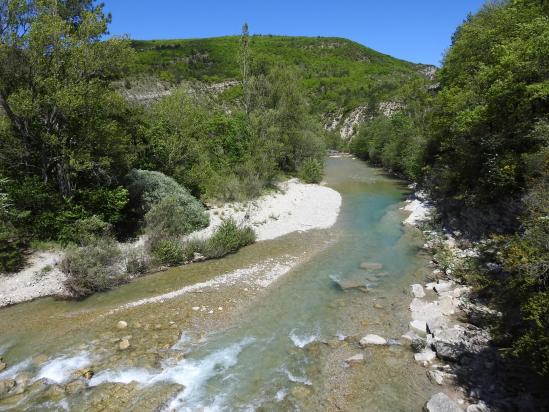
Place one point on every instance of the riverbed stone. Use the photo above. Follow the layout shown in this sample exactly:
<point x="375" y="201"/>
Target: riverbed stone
<point x="122" y="324"/>
<point x="417" y="290"/>
<point x="478" y="407"/>
<point x="371" y="339"/>
<point x="124" y="344"/>
<point x="436" y="323"/>
<point x="443" y="286"/>
<point x="6" y="385"/>
<point x="371" y="266"/>
<point x="39" y="359"/>
<point x="441" y="402"/>
<point x="74" y="387"/>
<point x="2" y="365"/>
<point x="418" y="344"/>
<point x="418" y="325"/>
<point x="426" y="355"/>
<point x="355" y="360"/>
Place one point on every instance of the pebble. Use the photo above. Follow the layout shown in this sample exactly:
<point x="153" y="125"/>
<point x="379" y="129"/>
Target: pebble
<point x="124" y="344"/>
<point x="122" y="324"/>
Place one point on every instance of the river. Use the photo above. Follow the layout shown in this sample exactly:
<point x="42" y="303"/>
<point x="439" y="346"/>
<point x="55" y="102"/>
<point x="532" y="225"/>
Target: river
<point x="248" y="344"/>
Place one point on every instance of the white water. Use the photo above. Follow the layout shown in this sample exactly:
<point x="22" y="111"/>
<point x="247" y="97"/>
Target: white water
<point x="301" y="341"/>
<point x="60" y="369"/>
<point x="11" y="372"/>
<point x="192" y="374"/>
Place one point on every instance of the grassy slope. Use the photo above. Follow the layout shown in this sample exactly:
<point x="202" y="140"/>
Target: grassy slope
<point x="336" y="72"/>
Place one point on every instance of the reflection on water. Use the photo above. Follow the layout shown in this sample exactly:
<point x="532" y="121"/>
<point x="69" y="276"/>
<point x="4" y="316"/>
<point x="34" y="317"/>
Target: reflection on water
<point x="285" y="351"/>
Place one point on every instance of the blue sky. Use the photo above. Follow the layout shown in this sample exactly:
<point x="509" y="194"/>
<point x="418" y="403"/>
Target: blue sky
<point x="414" y="30"/>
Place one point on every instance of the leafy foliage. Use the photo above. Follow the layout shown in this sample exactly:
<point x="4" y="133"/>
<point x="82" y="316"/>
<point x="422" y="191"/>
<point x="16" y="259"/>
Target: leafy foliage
<point x="228" y="238"/>
<point x="494" y="88"/>
<point x="93" y="268"/>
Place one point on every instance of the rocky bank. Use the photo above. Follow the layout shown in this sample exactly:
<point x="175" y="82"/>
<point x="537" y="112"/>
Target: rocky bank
<point x="449" y="327"/>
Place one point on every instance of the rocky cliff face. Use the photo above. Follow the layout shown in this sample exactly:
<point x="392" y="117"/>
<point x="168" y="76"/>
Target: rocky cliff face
<point x="147" y="91"/>
<point x="349" y="123"/>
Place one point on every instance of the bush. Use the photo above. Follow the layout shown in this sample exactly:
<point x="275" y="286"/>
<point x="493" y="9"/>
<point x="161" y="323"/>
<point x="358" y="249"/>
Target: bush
<point x="168" y="252"/>
<point x="12" y="245"/>
<point x="165" y="203"/>
<point x="12" y="242"/>
<point x="147" y="188"/>
<point x="84" y="231"/>
<point x="311" y="171"/>
<point x="170" y="218"/>
<point x="136" y="261"/>
<point x="228" y="238"/>
<point x="93" y="268"/>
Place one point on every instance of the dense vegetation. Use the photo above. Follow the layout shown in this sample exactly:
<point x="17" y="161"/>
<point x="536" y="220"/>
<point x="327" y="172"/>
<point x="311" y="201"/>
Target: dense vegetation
<point x="481" y="147"/>
<point x="336" y="73"/>
<point x="82" y="167"/>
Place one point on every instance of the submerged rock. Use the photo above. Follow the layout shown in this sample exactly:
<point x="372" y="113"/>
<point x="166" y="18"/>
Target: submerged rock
<point x="371" y="266"/>
<point x="441" y="403"/>
<point x="372" y="340"/>
<point x="354" y="360"/>
<point x="348" y="284"/>
<point x="6" y="385"/>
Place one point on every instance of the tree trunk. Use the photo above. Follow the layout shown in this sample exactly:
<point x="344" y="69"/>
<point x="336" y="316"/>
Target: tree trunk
<point x="63" y="178"/>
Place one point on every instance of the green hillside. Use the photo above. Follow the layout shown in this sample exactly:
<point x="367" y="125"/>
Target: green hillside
<point x="336" y="72"/>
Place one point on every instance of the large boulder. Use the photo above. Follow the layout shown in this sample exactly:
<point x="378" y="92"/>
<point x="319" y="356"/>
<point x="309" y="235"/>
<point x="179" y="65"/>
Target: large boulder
<point x="452" y="343"/>
<point x="441" y="403"/>
<point x="417" y="290"/>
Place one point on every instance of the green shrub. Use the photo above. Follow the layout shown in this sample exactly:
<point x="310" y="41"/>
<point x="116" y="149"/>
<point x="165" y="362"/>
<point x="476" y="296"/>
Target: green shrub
<point x="228" y="238"/>
<point x="136" y="261"/>
<point x="12" y="245"/>
<point x="84" y="231"/>
<point x="193" y="247"/>
<point x="168" y="252"/>
<point x="147" y="188"/>
<point x="171" y="218"/>
<point x="105" y="202"/>
<point x="311" y="171"/>
<point x="93" y="268"/>
<point x="12" y="241"/>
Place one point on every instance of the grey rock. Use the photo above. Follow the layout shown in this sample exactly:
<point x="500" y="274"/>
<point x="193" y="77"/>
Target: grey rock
<point x="6" y="385"/>
<point x="426" y="356"/>
<point x="436" y="323"/>
<point x="441" y="403"/>
<point x="354" y="360"/>
<point x="418" y="344"/>
<point x="371" y="266"/>
<point x="478" y="407"/>
<point x="372" y="340"/>
<point x="417" y="290"/>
